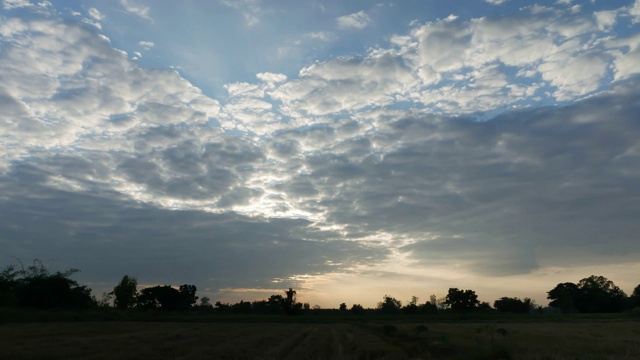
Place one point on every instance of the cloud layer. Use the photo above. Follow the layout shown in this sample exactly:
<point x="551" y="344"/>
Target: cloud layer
<point x="444" y="149"/>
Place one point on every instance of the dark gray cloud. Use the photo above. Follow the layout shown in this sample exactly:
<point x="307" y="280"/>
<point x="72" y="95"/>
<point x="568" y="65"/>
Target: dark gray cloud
<point x="497" y="195"/>
<point x="107" y="236"/>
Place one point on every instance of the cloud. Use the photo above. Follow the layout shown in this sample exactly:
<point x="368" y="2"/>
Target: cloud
<point x="95" y="14"/>
<point x="147" y="45"/>
<point x="250" y="9"/>
<point x="16" y="4"/>
<point x="606" y="19"/>
<point x="133" y="7"/>
<point x="634" y="11"/>
<point x="158" y="245"/>
<point x="356" y="162"/>
<point x="516" y="189"/>
<point x="346" y="84"/>
<point x="87" y="92"/>
<point x="358" y="20"/>
<point x="461" y="67"/>
<point x="271" y="78"/>
<point x="126" y="161"/>
<point x="319" y="35"/>
<point x="496" y="2"/>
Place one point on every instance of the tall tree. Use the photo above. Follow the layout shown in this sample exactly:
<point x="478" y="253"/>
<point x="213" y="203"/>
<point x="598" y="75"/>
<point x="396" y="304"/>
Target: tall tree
<point x="634" y="299"/>
<point x="462" y="300"/>
<point x="599" y="294"/>
<point x="289" y="303"/>
<point x="389" y="305"/>
<point x="412" y="306"/>
<point x="188" y="296"/>
<point x="591" y="295"/>
<point x="564" y="296"/>
<point x="159" y="297"/>
<point x="125" y="293"/>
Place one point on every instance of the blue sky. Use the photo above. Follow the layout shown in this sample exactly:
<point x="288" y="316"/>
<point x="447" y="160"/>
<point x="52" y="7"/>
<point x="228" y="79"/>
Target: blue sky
<point x="378" y="147"/>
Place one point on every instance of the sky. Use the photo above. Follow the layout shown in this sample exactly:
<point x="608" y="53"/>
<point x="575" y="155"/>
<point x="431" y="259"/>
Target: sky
<point x="347" y="149"/>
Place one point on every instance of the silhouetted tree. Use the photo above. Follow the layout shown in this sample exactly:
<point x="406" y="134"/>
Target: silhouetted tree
<point x="357" y="309"/>
<point x="431" y="306"/>
<point x="590" y="295"/>
<point x="9" y="286"/>
<point x="462" y="300"/>
<point x="564" y="296"/>
<point x="343" y="307"/>
<point x="188" y="298"/>
<point x="35" y="286"/>
<point x="389" y="305"/>
<point x="290" y="299"/>
<point x="599" y="294"/>
<point x="168" y="298"/>
<point x="205" y="301"/>
<point x="125" y="293"/>
<point x="289" y="303"/>
<point x="634" y="299"/>
<point x="484" y="306"/>
<point x="222" y="307"/>
<point x="412" y="306"/>
<point x="243" y="307"/>
<point x="159" y="297"/>
<point x="514" y="305"/>
<point x="275" y="304"/>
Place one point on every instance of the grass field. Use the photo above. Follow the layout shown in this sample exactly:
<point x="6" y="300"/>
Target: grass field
<point x="595" y="339"/>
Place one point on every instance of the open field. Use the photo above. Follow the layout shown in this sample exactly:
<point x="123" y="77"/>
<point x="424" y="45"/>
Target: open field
<point x="597" y="339"/>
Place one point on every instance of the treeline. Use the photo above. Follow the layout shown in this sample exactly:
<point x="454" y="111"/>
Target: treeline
<point x="35" y="286"/>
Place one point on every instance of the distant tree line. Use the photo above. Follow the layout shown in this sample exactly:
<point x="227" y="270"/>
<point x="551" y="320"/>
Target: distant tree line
<point x="34" y="286"/>
<point x="275" y="304"/>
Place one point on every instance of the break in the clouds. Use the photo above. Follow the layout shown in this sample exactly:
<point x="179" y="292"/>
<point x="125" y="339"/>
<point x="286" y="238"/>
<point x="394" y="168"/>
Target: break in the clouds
<point x="456" y="148"/>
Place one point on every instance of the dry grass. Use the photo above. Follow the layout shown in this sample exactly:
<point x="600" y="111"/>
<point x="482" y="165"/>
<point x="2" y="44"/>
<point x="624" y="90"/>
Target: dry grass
<point x="137" y="340"/>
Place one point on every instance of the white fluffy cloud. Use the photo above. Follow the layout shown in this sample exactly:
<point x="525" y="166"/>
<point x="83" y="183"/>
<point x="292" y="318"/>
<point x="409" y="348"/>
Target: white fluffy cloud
<point x="147" y="45"/>
<point x="84" y="92"/>
<point x="13" y="4"/>
<point x="346" y="84"/>
<point x="459" y="66"/>
<point x="133" y="7"/>
<point x="95" y="14"/>
<point x="358" y="20"/>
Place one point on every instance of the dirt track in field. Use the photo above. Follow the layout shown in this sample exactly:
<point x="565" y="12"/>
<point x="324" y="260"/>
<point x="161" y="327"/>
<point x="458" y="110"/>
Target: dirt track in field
<point x="262" y="341"/>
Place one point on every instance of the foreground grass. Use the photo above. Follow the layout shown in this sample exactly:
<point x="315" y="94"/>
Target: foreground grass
<point x="582" y="339"/>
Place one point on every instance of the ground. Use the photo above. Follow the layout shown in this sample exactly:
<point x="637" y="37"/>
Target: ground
<point x="590" y="339"/>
